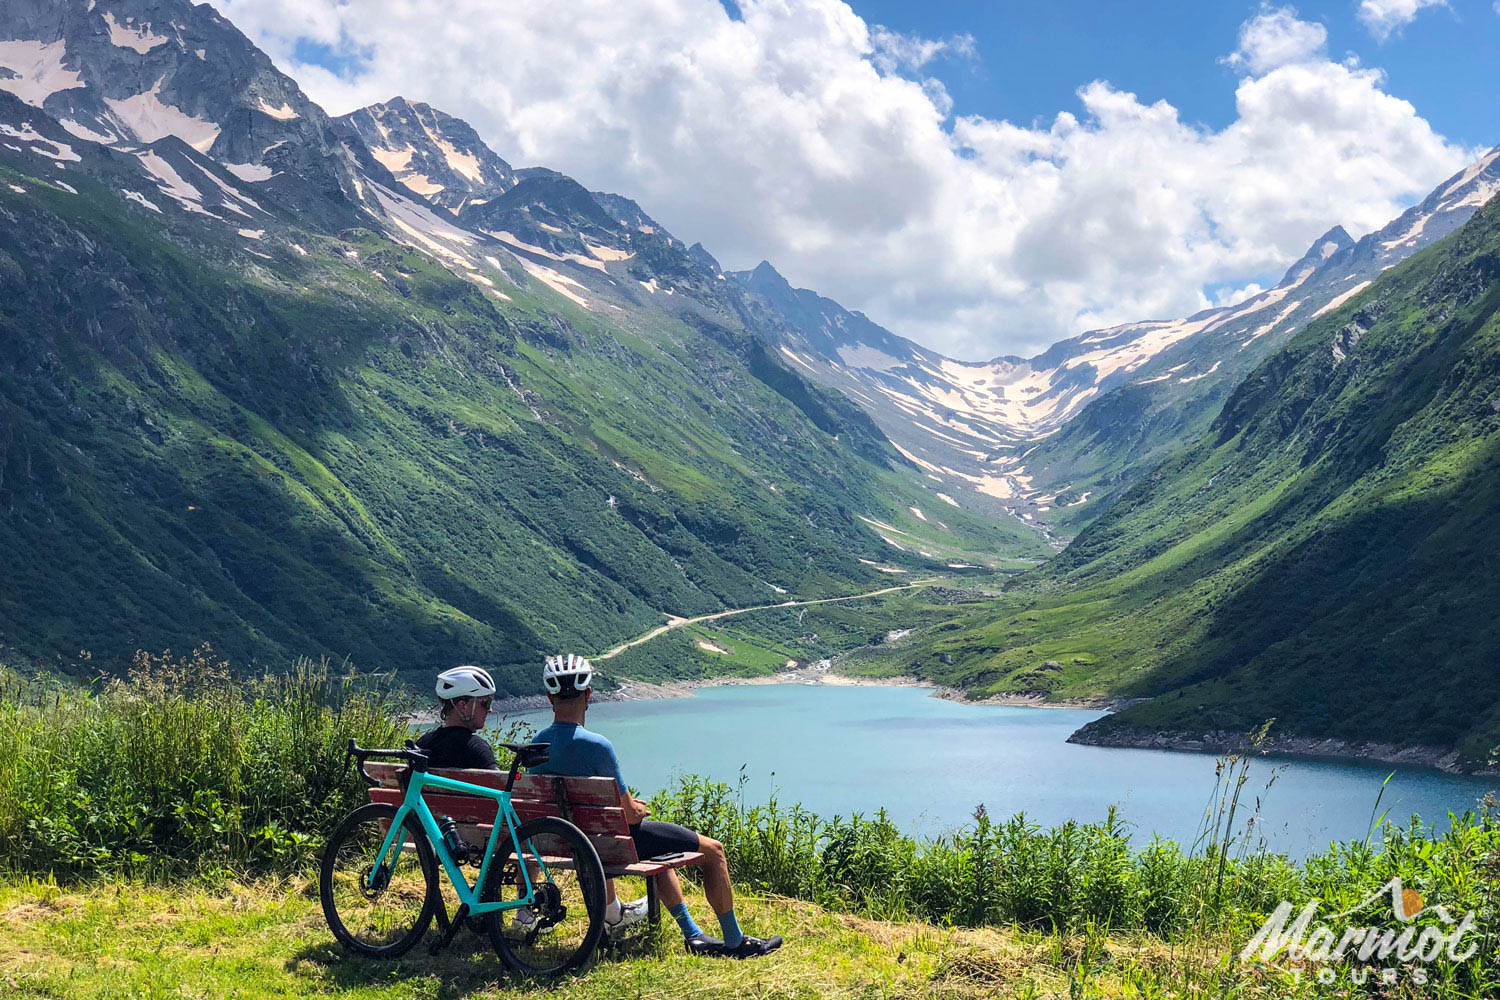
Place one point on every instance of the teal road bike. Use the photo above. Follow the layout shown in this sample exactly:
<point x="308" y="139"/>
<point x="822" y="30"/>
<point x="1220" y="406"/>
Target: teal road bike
<point x="538" y="893"/>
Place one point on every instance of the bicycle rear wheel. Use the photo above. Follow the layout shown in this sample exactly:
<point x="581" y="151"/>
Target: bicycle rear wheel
<point x="557" y="933"/>
<point x="378" y="906"/>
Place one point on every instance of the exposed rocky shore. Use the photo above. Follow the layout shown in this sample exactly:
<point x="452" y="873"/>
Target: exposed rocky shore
<point x="1309" y="747"/>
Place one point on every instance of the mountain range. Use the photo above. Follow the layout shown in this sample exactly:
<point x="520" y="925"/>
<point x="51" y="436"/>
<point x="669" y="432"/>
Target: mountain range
<point x="357" y="387"/>
<point x="267" y="384"/>
<point x="1055" y="438"/>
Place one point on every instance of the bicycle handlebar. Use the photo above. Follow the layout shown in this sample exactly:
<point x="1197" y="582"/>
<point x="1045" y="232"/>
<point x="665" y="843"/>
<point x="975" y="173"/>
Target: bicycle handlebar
<point x="416" y="758"/>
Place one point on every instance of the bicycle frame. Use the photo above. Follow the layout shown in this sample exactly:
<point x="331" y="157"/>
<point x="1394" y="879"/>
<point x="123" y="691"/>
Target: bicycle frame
<point x="467" y="894"/>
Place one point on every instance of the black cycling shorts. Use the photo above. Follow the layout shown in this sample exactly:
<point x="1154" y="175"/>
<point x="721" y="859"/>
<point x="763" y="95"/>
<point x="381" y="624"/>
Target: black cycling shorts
<point x="653" y="839"/>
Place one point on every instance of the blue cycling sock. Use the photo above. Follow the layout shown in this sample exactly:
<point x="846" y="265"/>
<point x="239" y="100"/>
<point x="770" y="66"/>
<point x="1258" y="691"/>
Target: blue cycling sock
<point x="685" y="920"/>
<point x="730" y="927"/>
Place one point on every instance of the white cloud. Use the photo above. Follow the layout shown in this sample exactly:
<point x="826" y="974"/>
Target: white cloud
<point x="798" y="133"/>
<point x="1386" y="17"/>
<point x="894" y="51"/>
<point x="1274" y="38"/>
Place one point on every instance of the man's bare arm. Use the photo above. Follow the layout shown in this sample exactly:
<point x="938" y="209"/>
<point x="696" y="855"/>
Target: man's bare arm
<point x="635" y="810"/>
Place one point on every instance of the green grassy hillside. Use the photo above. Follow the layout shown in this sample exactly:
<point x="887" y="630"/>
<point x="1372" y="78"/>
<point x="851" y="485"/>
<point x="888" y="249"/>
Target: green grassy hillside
<point x="338" y="447"/>
<point x="1324" y="556"/>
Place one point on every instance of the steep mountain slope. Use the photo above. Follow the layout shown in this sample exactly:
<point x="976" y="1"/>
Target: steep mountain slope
<point x="1323" y="556"/>
<point x="1057" y="437"/>
<point x="228" y="413"/>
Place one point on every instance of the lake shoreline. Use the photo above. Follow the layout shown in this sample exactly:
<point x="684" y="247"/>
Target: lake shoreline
<point x="1297" y="747"/>
<point x="639" y="690"/>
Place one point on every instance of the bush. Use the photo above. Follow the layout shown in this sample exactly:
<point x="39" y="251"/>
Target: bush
<point x="1071" y="877"/>
<point x="178" y="765"/>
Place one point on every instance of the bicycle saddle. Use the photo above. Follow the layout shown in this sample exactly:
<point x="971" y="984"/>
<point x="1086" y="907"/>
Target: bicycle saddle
<point x="529" y="754"/>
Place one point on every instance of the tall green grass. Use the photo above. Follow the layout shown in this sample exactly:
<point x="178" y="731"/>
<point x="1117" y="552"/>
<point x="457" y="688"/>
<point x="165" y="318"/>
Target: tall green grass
<point x="1088" y="878"/>
<point x="180" y="765"/>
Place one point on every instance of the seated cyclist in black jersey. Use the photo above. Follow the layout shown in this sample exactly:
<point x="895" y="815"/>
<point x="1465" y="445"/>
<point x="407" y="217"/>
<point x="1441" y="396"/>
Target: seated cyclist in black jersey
<point x="464" y="698"/>
<point x="573" y="750"/>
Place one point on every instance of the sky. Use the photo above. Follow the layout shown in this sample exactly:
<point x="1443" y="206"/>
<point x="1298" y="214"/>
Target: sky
<point x="984" y="178"/>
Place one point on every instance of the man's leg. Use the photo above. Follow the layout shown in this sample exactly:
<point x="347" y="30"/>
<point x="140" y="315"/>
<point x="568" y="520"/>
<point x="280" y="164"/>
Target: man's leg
<point x="716" y="887"/>
<point x="669" y="890"/>
<point x="655" y="839"/>
<point x="715" y="869"/>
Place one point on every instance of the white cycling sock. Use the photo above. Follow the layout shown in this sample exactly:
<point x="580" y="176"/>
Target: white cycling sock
<point x="612" y="911"/>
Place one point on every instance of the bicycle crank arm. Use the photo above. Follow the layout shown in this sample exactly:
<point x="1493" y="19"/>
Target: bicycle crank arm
<point x="453" y="928"/>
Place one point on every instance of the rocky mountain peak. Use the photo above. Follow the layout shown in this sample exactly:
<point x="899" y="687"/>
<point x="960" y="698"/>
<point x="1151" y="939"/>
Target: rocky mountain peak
<point x="131" y="73"/>
<point x="1322" y="249"/>
<point x="765" y="280"/>
<point x="434" y="155"/>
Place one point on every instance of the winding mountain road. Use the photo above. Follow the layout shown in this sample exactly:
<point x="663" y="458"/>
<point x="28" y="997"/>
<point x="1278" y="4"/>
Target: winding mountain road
<point x="676" y="622"/>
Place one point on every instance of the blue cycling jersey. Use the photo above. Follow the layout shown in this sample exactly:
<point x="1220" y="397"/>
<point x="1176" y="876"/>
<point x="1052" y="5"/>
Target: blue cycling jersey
<point x="575" y="752"/>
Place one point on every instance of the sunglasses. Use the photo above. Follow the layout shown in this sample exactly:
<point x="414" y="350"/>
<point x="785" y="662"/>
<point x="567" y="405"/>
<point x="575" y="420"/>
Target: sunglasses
<point x="481" y="702"/>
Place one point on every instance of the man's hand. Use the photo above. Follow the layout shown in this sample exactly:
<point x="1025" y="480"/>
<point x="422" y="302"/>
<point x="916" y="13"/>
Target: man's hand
<point x="635" y="810"/>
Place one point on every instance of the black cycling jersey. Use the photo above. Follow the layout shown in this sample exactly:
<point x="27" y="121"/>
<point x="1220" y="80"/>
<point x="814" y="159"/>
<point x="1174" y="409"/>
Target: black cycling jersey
<point x="456" y="746"/>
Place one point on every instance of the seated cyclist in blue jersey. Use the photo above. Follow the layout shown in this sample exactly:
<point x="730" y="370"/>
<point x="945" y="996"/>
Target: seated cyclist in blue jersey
<point x="575" y="751"/>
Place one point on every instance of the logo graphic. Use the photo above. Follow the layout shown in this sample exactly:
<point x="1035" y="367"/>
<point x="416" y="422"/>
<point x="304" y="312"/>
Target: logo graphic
<point x="1337" y="938"/>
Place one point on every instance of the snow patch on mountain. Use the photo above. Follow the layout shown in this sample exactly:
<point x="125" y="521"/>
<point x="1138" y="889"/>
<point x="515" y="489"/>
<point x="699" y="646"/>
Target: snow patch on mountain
<point x="87" y="134"/>
<point x="556" y="281"/>
<point x="1337" y="301"/>
<point x="463" y="163"/>
<point x="148" y="119"/>
<point x="872" y="358"/>
<point x="231" y="192"/>
<point x="59" y="151"/>
<point x="141" y="199"/>
<point x="38" y="68"/>
<point x="171" y="184"/>
<point x="394" y="160"/>
<point x="1193" y="378"/>
<point x="140" y="40"/>
<point x="282" y="112"/>
<point x="563" y="258"/>
<point x="252" y="172"/>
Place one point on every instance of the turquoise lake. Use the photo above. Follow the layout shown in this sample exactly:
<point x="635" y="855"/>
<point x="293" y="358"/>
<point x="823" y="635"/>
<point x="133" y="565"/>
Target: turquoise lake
<point x="930" y="762"/>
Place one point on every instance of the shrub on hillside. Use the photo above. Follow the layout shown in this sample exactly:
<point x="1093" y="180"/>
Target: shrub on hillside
<point x="179" y="764"/>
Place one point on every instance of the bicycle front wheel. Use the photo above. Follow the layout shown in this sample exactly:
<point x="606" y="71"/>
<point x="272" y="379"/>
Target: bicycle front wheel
<point x="558" y="932"/>
<point x="378" y="906"/>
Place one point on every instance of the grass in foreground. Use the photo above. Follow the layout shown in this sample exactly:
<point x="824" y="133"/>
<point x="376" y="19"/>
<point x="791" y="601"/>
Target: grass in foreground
<point x="267" y="939"/>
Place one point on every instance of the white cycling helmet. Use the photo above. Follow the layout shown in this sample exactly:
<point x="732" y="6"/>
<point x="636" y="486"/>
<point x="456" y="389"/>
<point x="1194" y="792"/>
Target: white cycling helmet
<point x="465" y="682"/>
<point x="567" y="665"/>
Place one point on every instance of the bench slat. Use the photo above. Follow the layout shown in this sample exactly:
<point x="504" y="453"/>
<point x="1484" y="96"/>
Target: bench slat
<point x="637" y="868"/>
<point x="593" y="820"/>
<point x="581" y="791"/>
<point x="589" y="819"/>
<point x="687" y="860"/>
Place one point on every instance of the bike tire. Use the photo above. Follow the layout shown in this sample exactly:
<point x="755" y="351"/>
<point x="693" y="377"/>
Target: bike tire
<point x="577" y="877"/>
<point x="359" y="927"/>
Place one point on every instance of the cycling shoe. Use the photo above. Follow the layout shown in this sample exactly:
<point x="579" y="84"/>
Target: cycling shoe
<point x="751" y="948"/>
<point x="702" y="944"/>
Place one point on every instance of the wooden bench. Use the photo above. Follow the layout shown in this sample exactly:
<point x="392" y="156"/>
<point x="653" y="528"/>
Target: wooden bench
<point x="591" y="804"/>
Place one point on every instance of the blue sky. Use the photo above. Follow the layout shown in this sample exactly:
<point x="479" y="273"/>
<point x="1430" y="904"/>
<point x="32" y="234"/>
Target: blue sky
<point x="1030" y="57"/>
